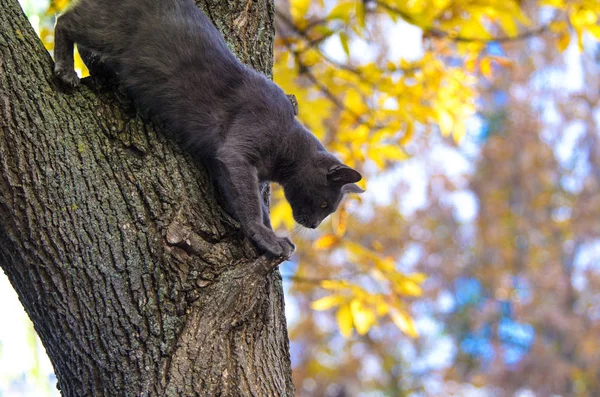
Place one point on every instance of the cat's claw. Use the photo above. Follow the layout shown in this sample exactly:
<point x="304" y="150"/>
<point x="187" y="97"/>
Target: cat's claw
<point x="66" y="75"/>
<point x="274" y="245"/>
<point x="287" y="246"/>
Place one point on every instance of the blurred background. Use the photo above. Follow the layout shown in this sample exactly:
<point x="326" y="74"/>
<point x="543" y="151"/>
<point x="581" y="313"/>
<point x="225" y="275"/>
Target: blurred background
<point x="471" y="267"/>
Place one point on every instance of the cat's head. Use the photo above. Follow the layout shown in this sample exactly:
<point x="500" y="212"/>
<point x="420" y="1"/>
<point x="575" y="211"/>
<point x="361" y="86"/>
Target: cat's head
<point x="317" y="189"/>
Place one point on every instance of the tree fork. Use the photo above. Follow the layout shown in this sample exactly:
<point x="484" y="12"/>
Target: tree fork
<point x="136" y="280"/>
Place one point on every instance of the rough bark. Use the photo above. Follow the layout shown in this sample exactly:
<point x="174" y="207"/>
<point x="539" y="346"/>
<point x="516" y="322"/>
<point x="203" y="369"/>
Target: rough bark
<point x="136" y="280"/>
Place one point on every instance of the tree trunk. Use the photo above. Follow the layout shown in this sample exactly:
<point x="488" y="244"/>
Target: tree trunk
<point x="136" y="280"/>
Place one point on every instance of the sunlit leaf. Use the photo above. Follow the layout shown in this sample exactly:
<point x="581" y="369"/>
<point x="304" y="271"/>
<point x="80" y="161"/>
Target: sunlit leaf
<point x="509" y="24"/>
<point x="361" y="14"/>
<point x="281" y="214"/>
<point x="325" y="242"/>
<point x="363" y="316"/>
<point x="486" y="67"/>
<point x="334" y="284"/>
<point x="583" y="16"/>
<point x="408" y="287"/>
<point x="328" y="302"/>
<point x="80" y="65"/>
<point x="344" y="320"/>
<point x="340" y="221"/>
<point x="404" y="322"/>
<point x="343" y="10"/>
<point x="298" y="9"/>
<point x="392" y="153"/>
<point x="417" y="277"/>
<point x="446" y="122"/>
<point x="382" y="308"/>
<point x="408" y="134"/>
<point x="594" y="31"/>
<point x="345" y="45"/>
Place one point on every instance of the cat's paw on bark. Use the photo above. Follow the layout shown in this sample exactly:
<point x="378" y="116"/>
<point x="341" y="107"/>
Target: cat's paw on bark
<point x="274" y="245"/>
<point x="66" y="75"/>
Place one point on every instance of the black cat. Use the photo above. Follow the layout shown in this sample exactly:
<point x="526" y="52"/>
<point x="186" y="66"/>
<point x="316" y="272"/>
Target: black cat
<point x="175" y="64"/>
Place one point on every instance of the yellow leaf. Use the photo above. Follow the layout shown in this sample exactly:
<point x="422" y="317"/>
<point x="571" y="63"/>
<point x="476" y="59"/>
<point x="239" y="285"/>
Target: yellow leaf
<point x="441" y="4"/>
<point x="358" y="135"/>
<point x="382" y="308"/>
<point x="408" y="134"/>
<point x="391" y="152"/>
<point x="386" y="264"/>
<point x="345" y="45"/>
<point x="470" y="64"/>
<point x="325" y="242"/>
<point x="417" y="277"/>
<point x="559" y="26"/>
<point x="56" y="6"/>
<point x="374" y="155"/>
<point x="61" y="4"/>
<point x="79" y="65"/>
<point x="354" y="102"/>
<point x="486" y="67"/>
<point x="328" y="302"/>
<point x="363" y="316"/>
<point x="594" y="31"/>
<point x="392" y="14"/>
<point x="380" y="134"/>
<point x="360" y="14"/>
<point x="408" y="287"/>
<point x="404" y="322"/>
<point x="343" y="10"/>
<point x="583" y="17"/>
<point x="445" y="121"/>
<point x="508" y="23"/>
<point x="299" y="8"/>
<point x="553" y="3"/>
<point x="344" y="320"/>
<point x="378" y="275"/>
<point x="356" y="249"/>
<point x="281" y="214"/>
<point x="340" y="221"/>
<point x="333" y="284"/>
<point x="311" y="57"/>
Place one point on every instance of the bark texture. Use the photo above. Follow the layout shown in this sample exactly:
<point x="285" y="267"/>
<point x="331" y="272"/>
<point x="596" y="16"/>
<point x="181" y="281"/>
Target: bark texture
<point x="136" y="280"/>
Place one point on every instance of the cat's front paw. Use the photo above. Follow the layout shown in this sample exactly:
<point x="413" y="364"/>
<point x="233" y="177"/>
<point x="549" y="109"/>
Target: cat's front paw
<point x="66" y="75"/>
<point x="274" y="245"/>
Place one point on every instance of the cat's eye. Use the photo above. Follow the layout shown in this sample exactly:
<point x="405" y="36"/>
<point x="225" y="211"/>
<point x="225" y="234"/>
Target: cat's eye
<point x="324" y="204"/>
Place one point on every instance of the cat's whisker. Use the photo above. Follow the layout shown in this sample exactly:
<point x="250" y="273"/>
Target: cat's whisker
<point x="306" y="233"/>
<point x="297" y="231"/>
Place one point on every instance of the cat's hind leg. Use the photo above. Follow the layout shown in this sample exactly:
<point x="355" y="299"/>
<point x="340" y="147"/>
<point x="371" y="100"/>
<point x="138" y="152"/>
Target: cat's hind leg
<point x="63" y="51"/>
<point x="97" y="66"/>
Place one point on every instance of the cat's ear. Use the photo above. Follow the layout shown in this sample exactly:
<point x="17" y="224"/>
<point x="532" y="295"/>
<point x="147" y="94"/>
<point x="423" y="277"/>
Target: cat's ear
<point x="352" y="188"/>
<point x="341" y="174"/>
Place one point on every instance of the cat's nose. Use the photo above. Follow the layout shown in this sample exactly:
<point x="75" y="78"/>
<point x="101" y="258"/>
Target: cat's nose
<point x="314" y="225"/>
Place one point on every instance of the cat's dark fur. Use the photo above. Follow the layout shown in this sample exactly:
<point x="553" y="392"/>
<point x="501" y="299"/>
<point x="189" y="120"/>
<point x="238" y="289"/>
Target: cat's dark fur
<point x="177" y="67"/>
